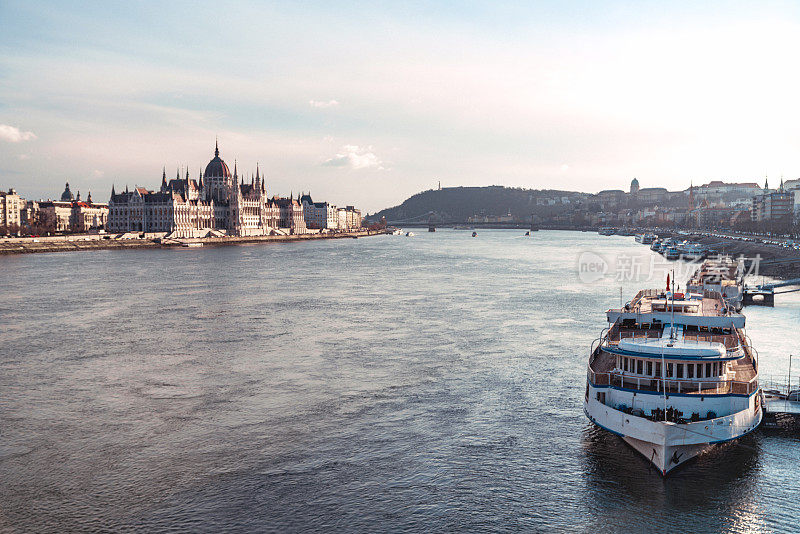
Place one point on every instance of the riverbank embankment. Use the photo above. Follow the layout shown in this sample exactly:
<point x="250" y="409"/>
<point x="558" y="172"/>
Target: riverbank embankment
<point x="773" y="260"/>
<point x="72" y="243"/>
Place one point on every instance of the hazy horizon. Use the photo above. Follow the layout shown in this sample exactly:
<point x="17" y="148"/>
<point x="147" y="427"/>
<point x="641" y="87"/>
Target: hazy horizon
<point x="370" y="103"/>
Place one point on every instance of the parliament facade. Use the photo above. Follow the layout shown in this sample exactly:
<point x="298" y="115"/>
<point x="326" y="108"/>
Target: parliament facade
<point x="215" y="204"/>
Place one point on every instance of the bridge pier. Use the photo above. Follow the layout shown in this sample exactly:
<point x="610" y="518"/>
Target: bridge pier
<point x="758" y="297"/>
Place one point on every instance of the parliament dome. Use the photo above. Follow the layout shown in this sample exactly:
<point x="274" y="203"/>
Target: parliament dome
<point x="217" y="166"/>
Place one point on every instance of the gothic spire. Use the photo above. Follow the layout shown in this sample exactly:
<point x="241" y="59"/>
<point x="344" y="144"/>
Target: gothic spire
<point x="216" y="147"/>
<point x="766" y="183"/>
<point x="89" y="198"/>
<point x="235" y="169"/>
<point x="112" y="190"/>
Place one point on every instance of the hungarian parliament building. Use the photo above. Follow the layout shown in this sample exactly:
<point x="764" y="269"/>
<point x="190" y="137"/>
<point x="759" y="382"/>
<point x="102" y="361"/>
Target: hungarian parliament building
<point x="219" y="203"/>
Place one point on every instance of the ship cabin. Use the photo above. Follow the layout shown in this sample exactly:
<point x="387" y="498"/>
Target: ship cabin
<point x="699" y="348"/>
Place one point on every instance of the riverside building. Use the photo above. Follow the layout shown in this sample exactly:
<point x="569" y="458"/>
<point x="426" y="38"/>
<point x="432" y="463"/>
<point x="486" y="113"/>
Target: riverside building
<point x="218" y="203"/>
<point x="10" y="207"/>
<point x="772" y="206"/>
<point x="324" y="215"/>
<point x="70" y="214"/>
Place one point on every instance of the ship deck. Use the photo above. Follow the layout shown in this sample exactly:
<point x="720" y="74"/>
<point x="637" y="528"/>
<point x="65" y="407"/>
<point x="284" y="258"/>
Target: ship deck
<point x="653" y="331"/>
<point x="739" y="378"/>
<point x="706" y="307"/>
<point x="715" y="272"/>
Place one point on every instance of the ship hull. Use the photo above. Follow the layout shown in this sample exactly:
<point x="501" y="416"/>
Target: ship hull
<point x="668" y="445"/>
<point x="665" y="458"/>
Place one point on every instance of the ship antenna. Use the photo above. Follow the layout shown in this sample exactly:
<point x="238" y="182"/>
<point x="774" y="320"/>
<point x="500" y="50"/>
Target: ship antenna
<point x="672" y="316"/>
<point x="663" y="380"/>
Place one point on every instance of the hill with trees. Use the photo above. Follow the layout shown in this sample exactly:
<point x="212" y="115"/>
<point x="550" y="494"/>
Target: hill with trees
<point x="459" y="204"/>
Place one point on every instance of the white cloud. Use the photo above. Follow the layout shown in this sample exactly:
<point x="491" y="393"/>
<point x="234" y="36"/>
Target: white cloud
<point x="323" y="104"/>
<point x="14" y="135"/>
<point x="355" y="157"/>
<point x="97" y="174"/>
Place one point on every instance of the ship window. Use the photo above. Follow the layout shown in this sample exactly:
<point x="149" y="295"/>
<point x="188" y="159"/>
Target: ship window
<point x="699" y="370"/>
<point x="708" y="370"/>
<point x="658" y="368"/>
<point x="650" y="368"/>
<point x="638" y="367"/>
<point x="669" y="370"/>
<point x="679" y="370"/>
<point x="624" y="364"/>
<point x="689" y="370"/>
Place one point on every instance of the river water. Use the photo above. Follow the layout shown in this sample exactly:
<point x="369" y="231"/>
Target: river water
<point x="392" y="383"/>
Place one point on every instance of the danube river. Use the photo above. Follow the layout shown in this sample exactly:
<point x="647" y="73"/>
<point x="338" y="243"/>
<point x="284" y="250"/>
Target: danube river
<point x="392" y="383"/>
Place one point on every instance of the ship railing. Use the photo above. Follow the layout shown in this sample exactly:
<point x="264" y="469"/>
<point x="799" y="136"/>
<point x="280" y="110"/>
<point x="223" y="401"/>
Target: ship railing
<point x="753" y="352"/>
<point x="598" y="342"/>
<point x="643" y="293"/>
<point x="732" y="346"/>
<point x="672" y="385"/>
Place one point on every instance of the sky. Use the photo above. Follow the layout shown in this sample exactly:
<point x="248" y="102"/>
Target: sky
<point x="367" y="103"/>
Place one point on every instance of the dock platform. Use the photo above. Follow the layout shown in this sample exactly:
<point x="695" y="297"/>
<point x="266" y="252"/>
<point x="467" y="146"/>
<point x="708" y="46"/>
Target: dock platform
<point x="781" y="414"/>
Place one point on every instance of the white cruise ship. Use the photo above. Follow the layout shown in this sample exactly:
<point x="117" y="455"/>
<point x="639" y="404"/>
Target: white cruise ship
<point x="673" y="375"/>
<point x="646" y="238"/>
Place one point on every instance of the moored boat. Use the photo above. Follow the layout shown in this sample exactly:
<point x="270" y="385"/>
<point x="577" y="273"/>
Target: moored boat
<point x="722" y="274"/>
<point x="673" y="375"/>
<point x="645" y="238"/>
<point x="672" y="252"/>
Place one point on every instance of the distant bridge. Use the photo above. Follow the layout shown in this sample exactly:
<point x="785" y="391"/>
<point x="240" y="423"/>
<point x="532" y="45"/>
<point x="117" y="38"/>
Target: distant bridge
<point x="792" y="282"/>
<point x="433" y="218"/>
<point x="764" y="294"/>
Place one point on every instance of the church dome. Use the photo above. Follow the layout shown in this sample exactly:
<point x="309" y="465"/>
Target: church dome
<point x="66" y="196"/>
<point x="634" y="185"/>
<point x="217" y="166"/>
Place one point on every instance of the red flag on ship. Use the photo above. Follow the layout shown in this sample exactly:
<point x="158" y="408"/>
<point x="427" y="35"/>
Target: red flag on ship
<point x="667" y="281"/>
